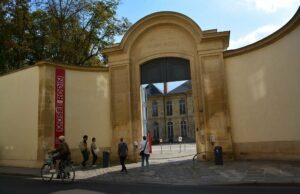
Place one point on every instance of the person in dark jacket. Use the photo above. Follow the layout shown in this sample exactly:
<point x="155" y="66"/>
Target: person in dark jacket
<point x="84" y="150"/>
<point x="122" y="151"/>
<point x="62" y="152"/>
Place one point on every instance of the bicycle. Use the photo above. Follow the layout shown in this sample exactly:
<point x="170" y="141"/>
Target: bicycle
<point x="65" y="170"/>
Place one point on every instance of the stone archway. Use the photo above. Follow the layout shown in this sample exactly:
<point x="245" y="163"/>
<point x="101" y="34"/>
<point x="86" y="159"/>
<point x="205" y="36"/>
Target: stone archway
<point x="170" y="34"/>
<point x="165" y="69"/>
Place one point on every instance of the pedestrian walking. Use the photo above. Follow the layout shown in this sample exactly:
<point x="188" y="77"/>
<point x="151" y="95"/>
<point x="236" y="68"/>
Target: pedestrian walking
<point x="95" y="151"/>
<point x="123" y="151"/>
<point x="84" y="150"/>
<point x="144" y="151"/>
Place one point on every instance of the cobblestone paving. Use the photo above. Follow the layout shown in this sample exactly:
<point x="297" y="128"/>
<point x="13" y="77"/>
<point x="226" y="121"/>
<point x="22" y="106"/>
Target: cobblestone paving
<point x="174" y="165"/>
<point x="185" y="172"/>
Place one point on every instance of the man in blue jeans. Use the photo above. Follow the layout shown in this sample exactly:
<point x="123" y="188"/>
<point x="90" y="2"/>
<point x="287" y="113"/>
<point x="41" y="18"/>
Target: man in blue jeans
<point x="144" y="146"/>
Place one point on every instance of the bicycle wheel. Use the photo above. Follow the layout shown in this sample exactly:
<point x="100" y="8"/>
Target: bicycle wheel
<point x="45" y="173"/>
<point x="68" y="174"/>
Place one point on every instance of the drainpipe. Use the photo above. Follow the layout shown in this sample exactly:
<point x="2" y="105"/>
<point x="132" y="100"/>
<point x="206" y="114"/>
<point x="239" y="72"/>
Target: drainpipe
<point x="164" y="105"/>
<point x="187" y="113"/>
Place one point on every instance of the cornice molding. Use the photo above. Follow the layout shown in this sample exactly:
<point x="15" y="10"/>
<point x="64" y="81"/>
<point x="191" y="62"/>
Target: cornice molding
<point x="71" y="67"/>
<point x="60" y="65"/>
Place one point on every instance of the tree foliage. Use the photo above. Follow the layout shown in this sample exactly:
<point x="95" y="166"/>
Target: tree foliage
<point x="68" y="31"/>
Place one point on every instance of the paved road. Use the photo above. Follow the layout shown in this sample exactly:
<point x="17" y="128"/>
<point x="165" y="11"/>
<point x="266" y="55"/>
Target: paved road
<point x="10" y="184"/>
<point x="173" y="151"/>
<point x="182" y="171"/>
<point x="169" y="168"/>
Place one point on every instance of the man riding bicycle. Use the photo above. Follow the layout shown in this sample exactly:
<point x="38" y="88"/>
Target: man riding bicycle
<point x="61" y="153"/>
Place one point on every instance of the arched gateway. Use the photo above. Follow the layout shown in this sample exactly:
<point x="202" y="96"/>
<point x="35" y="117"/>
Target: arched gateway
<point x="174" y="36"/>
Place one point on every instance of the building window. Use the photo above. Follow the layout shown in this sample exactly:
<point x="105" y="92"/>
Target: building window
<point x="182" y="106"/>
<point x="155" y="130"/>
<point x="154" y="109"/>
<point x="183" y="129"/>
<point x="170" y="131"/>
<point x="169" y="108"/>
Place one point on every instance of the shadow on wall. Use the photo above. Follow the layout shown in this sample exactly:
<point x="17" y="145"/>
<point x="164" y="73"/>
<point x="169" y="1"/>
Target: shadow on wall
<point x="270" y="88"/>
<point x="102" y="86"/>
<point x="257" y="84"/>
<point x="265" y="99"/>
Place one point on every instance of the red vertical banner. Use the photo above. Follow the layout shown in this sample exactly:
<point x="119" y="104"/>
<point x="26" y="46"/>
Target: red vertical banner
<point x="150" y="141"/>
<point x="59" y="104"/>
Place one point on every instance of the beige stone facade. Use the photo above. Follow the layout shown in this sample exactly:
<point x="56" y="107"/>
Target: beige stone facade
<point x="27" y="96"/>
<point x="240" y="102"/>
<point x="181" y="122"/>
<point x="19" y="104"/>
<point x="169" y="34"/>
<point x="245" y="100"/>
<point x="263" y="86"/>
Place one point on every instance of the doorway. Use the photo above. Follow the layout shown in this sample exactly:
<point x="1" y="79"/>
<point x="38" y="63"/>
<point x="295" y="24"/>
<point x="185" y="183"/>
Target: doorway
<point x="167" y="104"/>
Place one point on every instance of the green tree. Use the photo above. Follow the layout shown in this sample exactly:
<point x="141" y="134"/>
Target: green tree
<point x="14" y="45"/>
<point x="68" y="31"/>
<point x="81" y="29"/>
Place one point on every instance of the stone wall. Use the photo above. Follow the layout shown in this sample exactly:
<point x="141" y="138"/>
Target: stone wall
<point x="263" y="87"/>
<point x="19" y="101"/>
<point x="28" y="110"/>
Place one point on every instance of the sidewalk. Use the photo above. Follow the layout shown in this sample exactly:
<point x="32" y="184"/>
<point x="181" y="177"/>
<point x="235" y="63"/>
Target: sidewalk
<point x="183" y="171"/>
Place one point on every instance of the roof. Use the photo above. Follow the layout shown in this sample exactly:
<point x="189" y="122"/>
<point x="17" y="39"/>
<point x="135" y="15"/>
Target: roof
<point x="152" y="90"/>
<point x="183" y="88"/>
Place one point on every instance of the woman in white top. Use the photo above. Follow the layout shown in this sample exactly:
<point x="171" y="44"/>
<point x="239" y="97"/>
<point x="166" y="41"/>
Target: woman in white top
<point x="94" y="150"/>
<point x="144" y="146"/>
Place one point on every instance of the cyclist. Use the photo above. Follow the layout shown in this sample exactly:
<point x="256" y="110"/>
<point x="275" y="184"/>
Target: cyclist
<point x="61" y="153"/>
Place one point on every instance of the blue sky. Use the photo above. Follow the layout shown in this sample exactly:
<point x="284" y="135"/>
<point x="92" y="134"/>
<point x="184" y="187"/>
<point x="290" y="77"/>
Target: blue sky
<point x="247" y="20"/>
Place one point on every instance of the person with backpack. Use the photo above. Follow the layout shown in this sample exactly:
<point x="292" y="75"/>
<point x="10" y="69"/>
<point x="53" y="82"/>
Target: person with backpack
<point x="122" y="152"/>
<point x="144" y="151"/>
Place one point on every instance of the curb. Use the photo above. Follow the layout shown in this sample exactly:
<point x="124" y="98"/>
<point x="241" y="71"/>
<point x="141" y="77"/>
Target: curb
<point x="19" y="174"/>
<point x="273" y="184"/>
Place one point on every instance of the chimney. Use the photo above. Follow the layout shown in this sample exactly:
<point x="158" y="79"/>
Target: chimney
<point x="165" y="88"/>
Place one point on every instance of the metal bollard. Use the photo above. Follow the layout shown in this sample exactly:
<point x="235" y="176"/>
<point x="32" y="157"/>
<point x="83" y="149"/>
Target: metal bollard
<point x="179" y="147"/>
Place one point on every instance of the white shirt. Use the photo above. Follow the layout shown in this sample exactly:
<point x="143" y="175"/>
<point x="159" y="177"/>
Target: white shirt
<point x="142" y="145"/>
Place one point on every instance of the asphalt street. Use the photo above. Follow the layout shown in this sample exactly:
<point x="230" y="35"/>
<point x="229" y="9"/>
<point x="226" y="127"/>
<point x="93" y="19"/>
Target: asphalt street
<point x="10" y="184"/>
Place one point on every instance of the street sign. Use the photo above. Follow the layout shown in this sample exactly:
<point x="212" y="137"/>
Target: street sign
<point x="180" y="139"/>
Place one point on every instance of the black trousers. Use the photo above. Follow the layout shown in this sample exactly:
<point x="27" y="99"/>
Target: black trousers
<point x="122" y="161"/>
<point x="95" y="157"/>
<point x="61" y="158"/>
<point x="85" y="155"/>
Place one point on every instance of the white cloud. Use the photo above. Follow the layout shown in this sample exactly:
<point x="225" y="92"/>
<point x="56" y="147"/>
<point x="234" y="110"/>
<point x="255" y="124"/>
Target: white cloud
<point x="271" y="6"/>
<point x="253" y="36"/>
